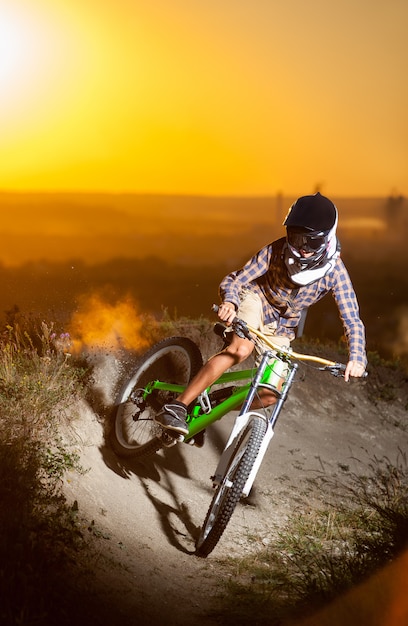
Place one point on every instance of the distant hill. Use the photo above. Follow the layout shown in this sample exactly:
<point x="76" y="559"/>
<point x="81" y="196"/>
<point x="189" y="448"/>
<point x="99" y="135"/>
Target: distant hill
<point x="182" y="229"/>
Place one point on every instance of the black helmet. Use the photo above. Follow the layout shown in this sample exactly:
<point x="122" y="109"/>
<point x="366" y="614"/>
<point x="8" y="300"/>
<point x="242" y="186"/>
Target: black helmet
<point x="311" y="227"/>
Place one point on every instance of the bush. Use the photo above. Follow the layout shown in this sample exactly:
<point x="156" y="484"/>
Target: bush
<point x="38" y="382"/>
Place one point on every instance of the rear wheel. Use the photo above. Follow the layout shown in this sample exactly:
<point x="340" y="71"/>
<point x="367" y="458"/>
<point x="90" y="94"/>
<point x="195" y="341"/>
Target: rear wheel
<point x="174" y="360"/>
<point x="229" y="491"/>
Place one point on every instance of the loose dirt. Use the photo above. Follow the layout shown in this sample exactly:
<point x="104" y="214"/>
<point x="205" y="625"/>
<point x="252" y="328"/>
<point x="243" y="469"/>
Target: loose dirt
<point x="144" y="517"/>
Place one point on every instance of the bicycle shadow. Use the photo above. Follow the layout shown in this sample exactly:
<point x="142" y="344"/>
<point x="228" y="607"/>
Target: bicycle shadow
<point x="152" y="467"/>
<point x="159" y="476"/>
<point x="182" y="530"/>
<point x="155" y="475"/>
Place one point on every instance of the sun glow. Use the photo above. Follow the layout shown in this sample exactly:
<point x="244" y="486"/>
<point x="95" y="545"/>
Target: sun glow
<point x="11" y="50"/>
<point x="190" y="97"/>
<point x="31" y="53"/>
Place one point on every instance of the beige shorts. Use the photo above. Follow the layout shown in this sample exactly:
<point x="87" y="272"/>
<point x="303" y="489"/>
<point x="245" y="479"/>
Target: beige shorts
<point x="250" y="310"/>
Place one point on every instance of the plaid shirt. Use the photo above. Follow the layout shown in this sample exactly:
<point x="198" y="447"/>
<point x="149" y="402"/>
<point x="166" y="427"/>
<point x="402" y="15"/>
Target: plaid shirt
<point x="265" y="274"/>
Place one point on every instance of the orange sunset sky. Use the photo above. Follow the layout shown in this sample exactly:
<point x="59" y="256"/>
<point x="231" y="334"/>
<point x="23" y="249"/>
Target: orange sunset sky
<point x="241" y="97"/>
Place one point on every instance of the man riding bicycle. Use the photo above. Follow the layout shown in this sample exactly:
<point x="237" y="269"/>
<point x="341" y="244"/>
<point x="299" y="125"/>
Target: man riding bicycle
<point x="271" y="291"/>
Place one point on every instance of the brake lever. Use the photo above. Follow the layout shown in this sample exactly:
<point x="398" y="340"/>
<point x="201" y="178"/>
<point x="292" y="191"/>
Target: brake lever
<point x="338" y="370"/>
<point x="241" y="329"/>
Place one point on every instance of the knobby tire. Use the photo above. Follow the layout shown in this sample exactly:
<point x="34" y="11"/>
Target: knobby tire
<point x="229" y="492"/>
<point x="174" y="360"/>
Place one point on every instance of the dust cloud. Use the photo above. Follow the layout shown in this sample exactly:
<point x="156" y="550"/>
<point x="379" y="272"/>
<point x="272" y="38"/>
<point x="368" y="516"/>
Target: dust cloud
<point x="97" y="323"/>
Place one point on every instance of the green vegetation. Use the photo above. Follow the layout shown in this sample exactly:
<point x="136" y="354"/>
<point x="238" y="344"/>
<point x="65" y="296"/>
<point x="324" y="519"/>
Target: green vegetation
<point x="38" y="532"/>
<point x="320" y="553"/>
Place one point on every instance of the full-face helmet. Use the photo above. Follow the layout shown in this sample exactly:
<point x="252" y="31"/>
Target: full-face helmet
<point x="311" y="228"/>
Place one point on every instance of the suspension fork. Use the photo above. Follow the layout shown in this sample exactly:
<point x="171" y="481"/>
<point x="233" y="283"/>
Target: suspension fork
<point x="256" y="381"/>
<point x="279" y="404"/>
<point x="269" y="432"/>
<point x="241" y="422"/>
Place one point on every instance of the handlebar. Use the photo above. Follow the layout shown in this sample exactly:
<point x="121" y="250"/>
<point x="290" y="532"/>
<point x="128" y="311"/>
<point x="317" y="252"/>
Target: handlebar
<point x="245" y="331"/>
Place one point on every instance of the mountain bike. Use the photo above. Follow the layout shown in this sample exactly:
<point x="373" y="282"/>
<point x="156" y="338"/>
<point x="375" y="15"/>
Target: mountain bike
<point x="164" y="372"/>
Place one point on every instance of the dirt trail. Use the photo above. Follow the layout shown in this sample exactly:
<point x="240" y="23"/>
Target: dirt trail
<point x="147" y="515"/>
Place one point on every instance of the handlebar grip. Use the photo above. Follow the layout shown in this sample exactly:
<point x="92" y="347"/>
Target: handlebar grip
<point x="339" y="368"/>
<point x="342" y="368"/>
<point x="237" y="324"/>
<point x="364" y="375"/>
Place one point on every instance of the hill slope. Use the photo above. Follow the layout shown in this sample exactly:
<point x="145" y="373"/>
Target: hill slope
<point x="146" y="515"/>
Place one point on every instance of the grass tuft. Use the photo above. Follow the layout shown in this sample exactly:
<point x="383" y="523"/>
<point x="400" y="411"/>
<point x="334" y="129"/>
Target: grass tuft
<point x="38" y="384"/>
<point x="322" y="553"/>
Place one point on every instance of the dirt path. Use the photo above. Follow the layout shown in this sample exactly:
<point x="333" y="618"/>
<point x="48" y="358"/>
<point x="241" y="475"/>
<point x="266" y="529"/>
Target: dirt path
<point x="145" y="516"/>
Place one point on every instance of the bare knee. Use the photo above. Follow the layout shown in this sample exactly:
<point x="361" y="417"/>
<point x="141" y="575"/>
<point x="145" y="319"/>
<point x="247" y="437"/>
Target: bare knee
<point x="239" y="350"/>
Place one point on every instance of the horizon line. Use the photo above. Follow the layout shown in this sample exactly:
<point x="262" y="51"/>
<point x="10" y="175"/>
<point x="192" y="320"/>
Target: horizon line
<point x="191" y="194"/>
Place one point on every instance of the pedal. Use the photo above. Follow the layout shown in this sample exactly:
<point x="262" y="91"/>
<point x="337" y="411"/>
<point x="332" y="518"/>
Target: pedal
<point x="169" y="440"/>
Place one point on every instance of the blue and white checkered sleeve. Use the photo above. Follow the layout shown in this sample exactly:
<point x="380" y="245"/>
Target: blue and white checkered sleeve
<point x="232" y="284"/>
<point x="354" y="330"/>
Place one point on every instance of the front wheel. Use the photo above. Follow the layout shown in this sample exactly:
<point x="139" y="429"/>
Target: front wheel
<point x="229" y="491"/>
<point x="174" y="360"/>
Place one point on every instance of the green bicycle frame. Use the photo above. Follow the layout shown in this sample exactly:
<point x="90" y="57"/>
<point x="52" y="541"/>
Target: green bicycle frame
<point x="199" y="421"/>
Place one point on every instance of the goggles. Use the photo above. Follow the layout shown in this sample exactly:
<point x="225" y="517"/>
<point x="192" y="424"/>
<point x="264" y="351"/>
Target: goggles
<point x="303" y="241"/>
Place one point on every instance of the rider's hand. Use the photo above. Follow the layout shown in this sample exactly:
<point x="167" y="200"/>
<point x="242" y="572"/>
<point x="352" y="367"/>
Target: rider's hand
<point x="226" y="312"/>
<point x="354" y="369"/>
